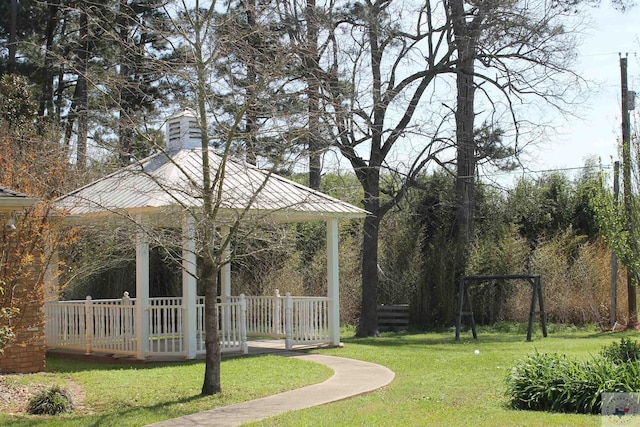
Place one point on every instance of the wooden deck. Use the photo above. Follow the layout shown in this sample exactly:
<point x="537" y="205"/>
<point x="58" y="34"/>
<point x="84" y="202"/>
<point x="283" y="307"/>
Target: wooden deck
<point x="256" y="347"/>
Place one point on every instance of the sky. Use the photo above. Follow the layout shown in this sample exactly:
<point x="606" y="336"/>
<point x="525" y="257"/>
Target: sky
<point x="597" y="131"/>
<point x="594" y="131"/>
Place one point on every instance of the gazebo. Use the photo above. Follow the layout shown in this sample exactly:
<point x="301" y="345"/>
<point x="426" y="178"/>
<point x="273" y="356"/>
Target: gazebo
<point x="162" y="186"/>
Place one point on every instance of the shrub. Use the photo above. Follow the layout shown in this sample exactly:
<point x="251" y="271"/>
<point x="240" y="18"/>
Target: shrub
<point x="534" y="383"/>
<point x="551" y="382"/>
<point x="627" y="350"/>
<point x="52" y="401"/>
<point x="575" y="280"/>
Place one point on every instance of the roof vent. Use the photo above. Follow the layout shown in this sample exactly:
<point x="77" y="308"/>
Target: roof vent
<point x="183" y="132"/>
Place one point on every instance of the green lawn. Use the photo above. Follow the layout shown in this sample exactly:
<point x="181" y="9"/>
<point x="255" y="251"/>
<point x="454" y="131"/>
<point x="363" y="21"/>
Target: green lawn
<point x="443" y="383"/>
<point x="438" y="383"/>
<point x="134" y="395"/>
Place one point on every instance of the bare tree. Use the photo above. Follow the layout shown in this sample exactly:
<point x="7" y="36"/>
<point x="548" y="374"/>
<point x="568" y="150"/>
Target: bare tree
<point x="382" y="60"/>
<point x="208" y="77"/>
<point x="515" y="54"/>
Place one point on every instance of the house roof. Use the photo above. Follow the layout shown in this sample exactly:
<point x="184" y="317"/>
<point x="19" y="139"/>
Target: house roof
<point x="168" y="181"/>
<point x="12" y="200"/>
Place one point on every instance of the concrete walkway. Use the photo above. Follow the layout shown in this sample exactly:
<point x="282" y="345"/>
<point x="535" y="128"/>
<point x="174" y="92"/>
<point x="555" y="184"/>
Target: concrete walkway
<point x="350" y="378"/>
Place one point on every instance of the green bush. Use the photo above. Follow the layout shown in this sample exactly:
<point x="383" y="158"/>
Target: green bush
<point x="52" y="401"/>
<point x="551" y="382"/>
<point x="627" y="350"/>
<point x="534" y="383"/>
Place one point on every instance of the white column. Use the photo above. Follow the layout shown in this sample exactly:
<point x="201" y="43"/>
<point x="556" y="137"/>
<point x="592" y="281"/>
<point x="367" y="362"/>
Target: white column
<point x="288" y="322"/>
<point x="142" y="294"/>
<point x="333" y="281"/>
<point x="189" y="286"/>
<point x="225" y="284"/>
<point x="225" y="273"/>
<point x="88" y="322"/>
<point x="276" y="322"/>
<point x="243" y="325"/>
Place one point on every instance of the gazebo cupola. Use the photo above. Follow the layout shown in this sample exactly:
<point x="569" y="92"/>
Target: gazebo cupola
<point x="182" y="132"/>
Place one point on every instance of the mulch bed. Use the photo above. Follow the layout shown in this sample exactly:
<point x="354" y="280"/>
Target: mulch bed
<point x="14" y="397"/>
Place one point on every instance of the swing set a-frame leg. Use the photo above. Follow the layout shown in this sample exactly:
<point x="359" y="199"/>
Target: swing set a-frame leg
<point x="463" y="294"/>
<point x="536" y="296"/>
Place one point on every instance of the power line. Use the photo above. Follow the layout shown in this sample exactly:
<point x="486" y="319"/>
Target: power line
<point x="617" y="53"/>
<point x="542" y="171"/>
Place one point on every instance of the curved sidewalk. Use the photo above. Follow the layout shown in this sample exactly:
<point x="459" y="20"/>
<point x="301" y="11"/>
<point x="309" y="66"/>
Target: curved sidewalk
<point x="350" y="378"/>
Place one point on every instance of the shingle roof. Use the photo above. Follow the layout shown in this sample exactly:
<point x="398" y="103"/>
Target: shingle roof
<point x="12" y="200"/>
<point x="162" y="181"/>
<point x="5" y="192"/>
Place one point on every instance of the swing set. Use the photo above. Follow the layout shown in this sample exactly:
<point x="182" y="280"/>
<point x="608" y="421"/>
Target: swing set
<point x="536" y="300"/>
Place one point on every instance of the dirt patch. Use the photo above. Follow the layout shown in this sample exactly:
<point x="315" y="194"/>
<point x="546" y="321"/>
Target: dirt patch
<point x="14" y="397"/>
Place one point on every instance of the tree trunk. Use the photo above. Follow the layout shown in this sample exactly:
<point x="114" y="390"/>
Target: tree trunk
<point x="466" y="34"/>
<point x="632" y="308"/>
<point x="632" y="303"/>
<point x="250" y="125"/>
<point x="370" y="180"/>
<point x="125" y="135"/>
<point x="211" y="384"/>
<point x="125" y="131"/>
<point x="466" y="153"/>
<point x="46" y="103"/>
<point x="313" y="94"/>
<point x="465" y="41"/>
<point x="211" y="264"/>
<point x="368" y="325"/>
<point x="82" y="93"/>
<point x="59" y="93"/>
<point x="13" y="28"/>
<point x="210" y="268"/>
<point x="251" y="90"/>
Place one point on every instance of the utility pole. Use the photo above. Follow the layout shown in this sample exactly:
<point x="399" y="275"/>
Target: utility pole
<point x="614" y="259"/>
<point x="626" y="183"/>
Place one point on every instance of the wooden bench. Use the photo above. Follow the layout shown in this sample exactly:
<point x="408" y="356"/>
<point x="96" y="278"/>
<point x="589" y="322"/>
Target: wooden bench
<point x="393" y="317"/>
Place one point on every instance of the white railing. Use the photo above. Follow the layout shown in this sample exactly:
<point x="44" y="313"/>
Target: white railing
<point x="232" y="321"/>
<point x="111" y="328"/>
<point x="105" y="326"/>
<point x="307" y="320"/>
<point x="165" y="326"/>
<point x="109" y="325"/>
<point x="300" y="320"/>
<point x="265" y="315"/>
<point x="65" y="325"/>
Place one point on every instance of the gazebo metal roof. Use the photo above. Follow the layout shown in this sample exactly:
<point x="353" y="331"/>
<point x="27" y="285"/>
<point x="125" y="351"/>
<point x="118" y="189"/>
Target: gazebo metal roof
<point x="164" y="181"/>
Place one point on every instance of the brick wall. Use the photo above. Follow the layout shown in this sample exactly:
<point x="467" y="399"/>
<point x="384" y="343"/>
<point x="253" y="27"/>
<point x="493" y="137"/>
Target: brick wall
<point x="26" y="353"/>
